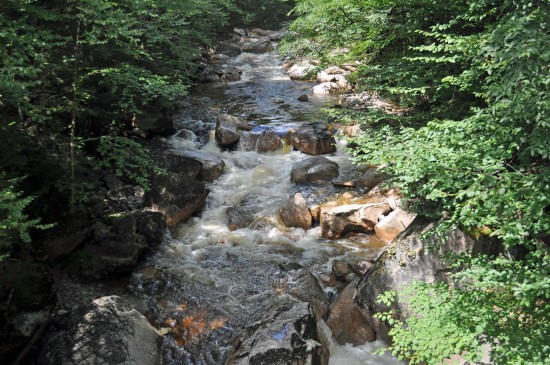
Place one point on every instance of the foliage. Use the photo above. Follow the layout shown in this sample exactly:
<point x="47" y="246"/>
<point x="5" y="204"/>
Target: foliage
<point x="473" y="153"/>
<point x="127" y="158"/>
<point x="14" y="222"/>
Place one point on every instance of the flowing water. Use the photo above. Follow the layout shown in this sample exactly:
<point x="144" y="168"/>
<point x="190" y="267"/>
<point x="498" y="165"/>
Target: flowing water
<point x="206" y="282"/>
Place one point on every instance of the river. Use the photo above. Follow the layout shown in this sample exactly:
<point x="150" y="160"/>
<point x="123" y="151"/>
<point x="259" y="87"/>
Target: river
<point x="206" y="282"/>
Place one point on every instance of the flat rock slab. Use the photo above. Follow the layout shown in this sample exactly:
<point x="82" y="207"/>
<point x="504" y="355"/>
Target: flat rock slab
<point x="212" y="166"/>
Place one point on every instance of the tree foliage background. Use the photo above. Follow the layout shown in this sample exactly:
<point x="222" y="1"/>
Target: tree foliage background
<point x="473" y="152"/>
<point x="73" y="72"/>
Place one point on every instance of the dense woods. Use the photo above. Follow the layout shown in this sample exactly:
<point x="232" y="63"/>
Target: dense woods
<point x="471" y="150"/>
<point x="80" y="80"/>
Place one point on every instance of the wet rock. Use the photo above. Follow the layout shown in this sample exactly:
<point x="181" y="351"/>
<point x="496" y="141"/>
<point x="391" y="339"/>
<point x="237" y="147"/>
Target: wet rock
<point x="268" y="141"/>
<point x="229" y="49"/>
<point x="370" y="179"/>
<point x="287" y="335"/>
<point x="211" y="166"/>
<point x="108" y="331"/>
<point x="339" y="221"/>
<point x="209" y="73"/>
<point x="295" y="213"/>
<point x="241" y="32"/>
<point x="345" y="320"/>
<point x="303" y="98"/>
<point x="227" y="129"/>
<point x="409" y="259"/>
<point x="313" y="139"/>
<point x="177" y="196"/>
<point x="176" y="162"/>
<point x="260" y="46"/>
<point x="313" y="169"/>
<point x="231" y="76"/>
<point x="340" y="269"/>
<point x="243" y="214"/>
<point x="303" y="285"/>
<point x="394" y="223"/>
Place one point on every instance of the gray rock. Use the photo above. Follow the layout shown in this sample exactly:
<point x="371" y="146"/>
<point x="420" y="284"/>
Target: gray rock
<point x="210" y="73"/>
<point x="313" y="139"/>
<point x="109" y="331"/>
<point x="261" y="46"/>
<point x="313" y="169"/>
<point x="303" y="285"/>
<point x="303" y="98"/>
<point x="295" y="213"/>
<point x="300" y="71"/>
<point x="370" y="179"/>
<point x="268" y="141"/>
<point x="227" y="129"/>
<point x="327" y="88"/>
<point x="287" y="335"/>
<point x="243" y="214"/>
<point x="409" y="259"/>
<point x="229" y="49"/>
<point x="211" y="166"/>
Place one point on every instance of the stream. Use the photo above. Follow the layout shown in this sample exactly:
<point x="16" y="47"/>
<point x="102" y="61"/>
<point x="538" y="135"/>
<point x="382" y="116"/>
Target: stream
<point x="206" y="283"/>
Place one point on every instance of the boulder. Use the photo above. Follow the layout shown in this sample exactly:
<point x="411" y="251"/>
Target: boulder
<point x="118" y="244"/>
<point x="209" y="73"/>
<point x="370" y="179"/>
<point x="286" y="335"/>
<point x="243" y="214"/>
<point x="301" y="71"/>
<point x="295" y="213"/>
<point x="339" y="221"/>
<point x="303" y="98"/>
<point x="345" y="320"/>
<point x="411" y="258"/>
<point x="327" y="88"/>
<point x="229" y="49"/>
<point x="158" y="123"/>
<point x="340" y="270"/>
<point x="304" y="286"/>
<point x="177" y="196"/>
<point x="241" y="32"/>
<point x="394" y="223"/>
<point x="313" y="139"/>
<point x="313" y="169"/>
<point x="261" y="46"/>
<point x="268" y="141"/>
<point x="108" y="331"/>
<point x="230" y="76"/>
<point x="211" y="166"/>
<point x="227" y="129"/>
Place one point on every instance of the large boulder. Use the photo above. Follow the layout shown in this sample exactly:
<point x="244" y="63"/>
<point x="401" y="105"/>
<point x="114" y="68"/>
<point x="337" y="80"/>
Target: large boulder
<point x="286" y="335"/>
<point x="211" y="166"/>
<point x="268" y="141"/>
<point x="313" y="139"/>
<point x="303" y="285"/>
<point x="339" y="221"/>
<point x="411" y="258"/>
<point x="118" y="243"/>
<point x="370" y="179"/>
<point x="295" y="213"/>
<point x="227" y="129"/>
<point x="261" y="46"/>
<point x="314" y="169"/>
<point x="177" y="196"/>
<point x="108" y="331"/>
<point x="229" y="49"/>
<point x="345" y="320"/>
<point x="209" y="73"/>
<point x="327" y="88"/>
<point x="393" y="224"/>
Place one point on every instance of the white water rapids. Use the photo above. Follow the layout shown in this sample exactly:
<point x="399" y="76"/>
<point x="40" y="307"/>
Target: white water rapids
<point x="214" y="278"/>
